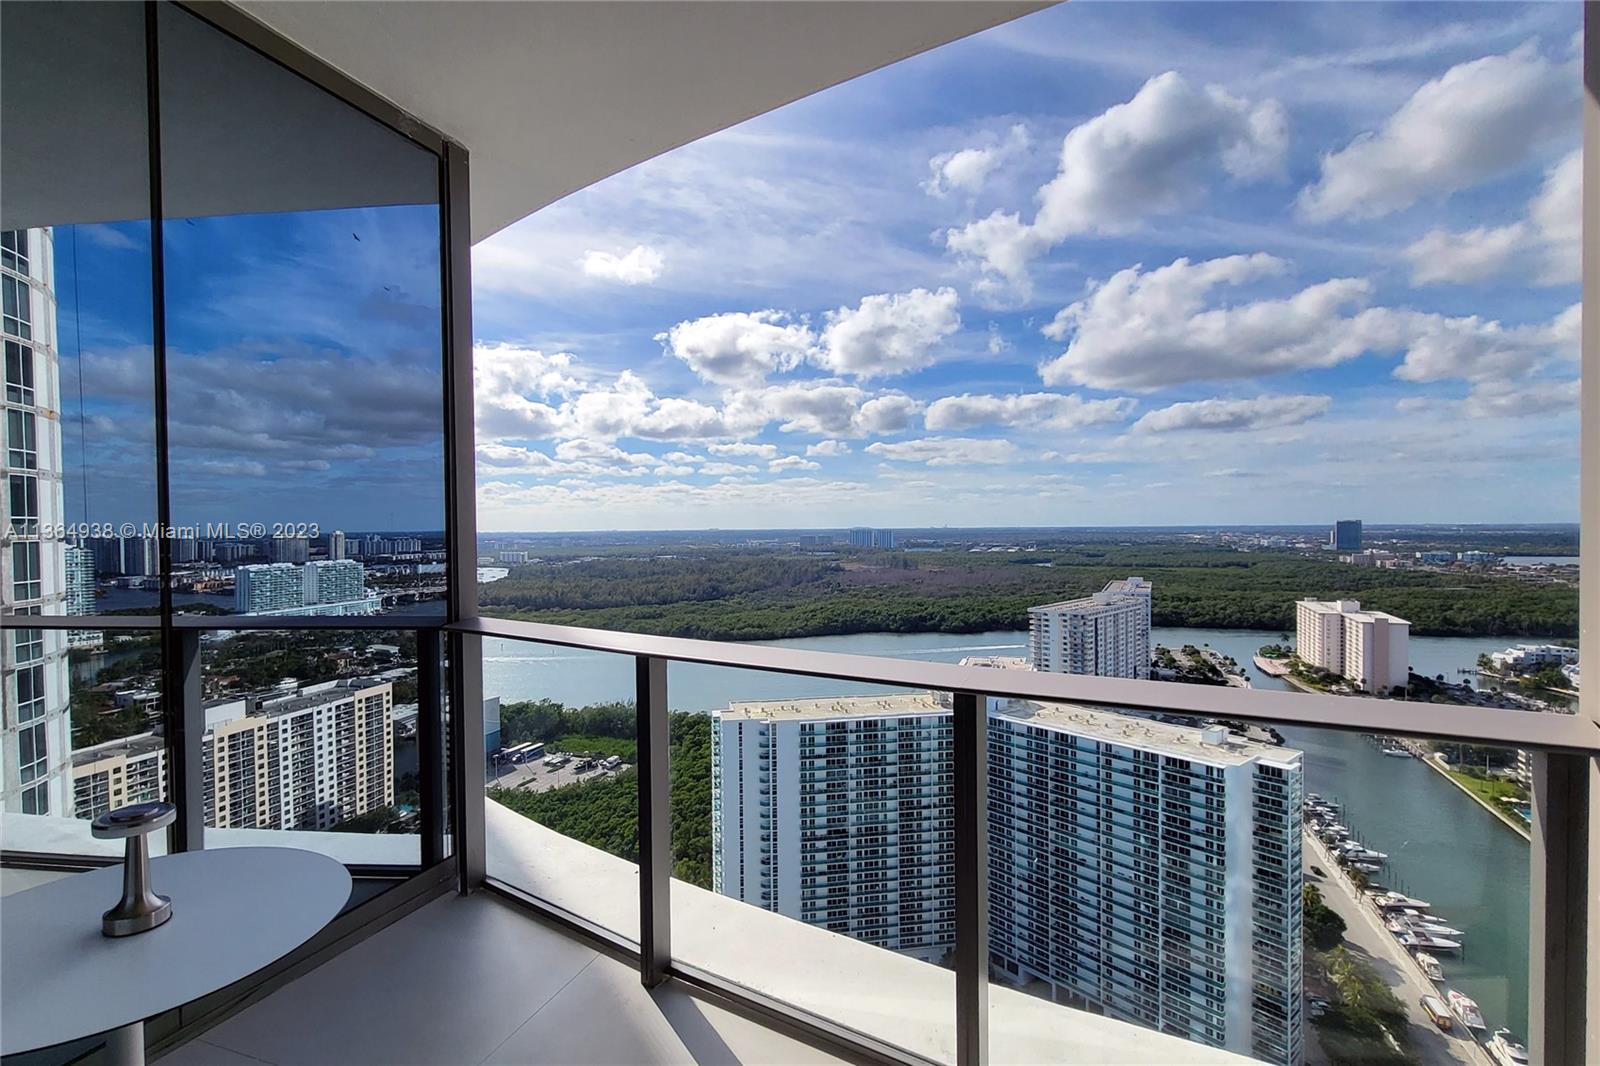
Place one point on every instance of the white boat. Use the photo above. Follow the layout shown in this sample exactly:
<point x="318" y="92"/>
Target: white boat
<point x="1435" y="929"/>
<point x="1429" y="964"/>
<point x="1392" y="900"/>
<point x="1397" y="753"/>
<point x="1463" y="1007"/>
<point x="1506" y="1049"/>
<point x="1428" y="942"/>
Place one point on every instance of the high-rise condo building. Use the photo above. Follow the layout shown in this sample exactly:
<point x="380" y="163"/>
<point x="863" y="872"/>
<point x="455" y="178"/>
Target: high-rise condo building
<point x="262" y="587"/>
<point x="289" y="550"/>
<point x="118" y="772"/>
<point x="336" y="544"/>
<point x="79" y="564"/>
<point x="1148" y="871"/>
<point x="1106" y="634"/>
<point x="866" y="537"/>
<point x="1345" y="535"/>
<point x="305" y="760"/>
<point x="141" y="556"/>
<point x="1372" y="649"/>
<point x="838" y="812"/>
<point x="36" y="731"/>
<point x="333" y="581"/>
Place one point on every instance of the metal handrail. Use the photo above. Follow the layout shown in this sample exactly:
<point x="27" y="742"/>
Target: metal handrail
<point x="1529" y="730"/>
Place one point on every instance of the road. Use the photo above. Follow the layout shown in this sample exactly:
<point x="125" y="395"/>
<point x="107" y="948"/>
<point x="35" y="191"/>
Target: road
<point x="1366" y="938"/>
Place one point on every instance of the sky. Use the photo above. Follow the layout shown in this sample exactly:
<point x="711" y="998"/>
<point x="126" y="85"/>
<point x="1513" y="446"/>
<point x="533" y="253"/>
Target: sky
<point x="1107" y="264"/>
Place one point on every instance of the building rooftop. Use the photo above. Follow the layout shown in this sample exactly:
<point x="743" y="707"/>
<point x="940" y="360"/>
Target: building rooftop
<point x="998" y="662"/>
<point x="1182" y="741"/>
<point x="140" y="744"/>
<point x="1128" y="587"/>
<point x="896" y="705"/>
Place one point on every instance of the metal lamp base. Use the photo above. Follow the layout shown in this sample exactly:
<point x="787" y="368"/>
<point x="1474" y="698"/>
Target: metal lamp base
<point x="120" y="922"/>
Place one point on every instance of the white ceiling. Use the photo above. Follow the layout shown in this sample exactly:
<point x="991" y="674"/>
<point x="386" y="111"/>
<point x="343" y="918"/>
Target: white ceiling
<point x="552" y="96"/>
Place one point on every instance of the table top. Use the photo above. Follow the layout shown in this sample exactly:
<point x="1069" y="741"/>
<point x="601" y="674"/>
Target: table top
<point x="234" y="910"/>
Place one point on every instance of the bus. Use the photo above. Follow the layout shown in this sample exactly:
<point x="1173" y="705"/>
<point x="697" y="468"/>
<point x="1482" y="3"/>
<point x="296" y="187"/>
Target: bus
<point x="525" y="752"/>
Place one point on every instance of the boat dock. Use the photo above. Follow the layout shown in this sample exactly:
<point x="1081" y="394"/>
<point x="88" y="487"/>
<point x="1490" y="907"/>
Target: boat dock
<point x="1366" y="936"/>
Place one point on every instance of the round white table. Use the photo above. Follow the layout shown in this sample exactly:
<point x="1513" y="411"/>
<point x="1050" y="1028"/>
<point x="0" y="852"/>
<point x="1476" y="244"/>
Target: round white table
<point x="234" y="910"/>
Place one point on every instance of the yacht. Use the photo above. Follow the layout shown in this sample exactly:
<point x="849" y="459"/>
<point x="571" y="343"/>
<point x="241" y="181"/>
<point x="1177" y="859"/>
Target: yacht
<point x="1397" y="752"/>
<point x="1395" y="901"/>
<point x="1506" y="1049"/>
<point x="1463" y="1007"/>
<point x="1433" y="928"/>
<point x="1428" y="942"/>
<point x="1429" y="964"/>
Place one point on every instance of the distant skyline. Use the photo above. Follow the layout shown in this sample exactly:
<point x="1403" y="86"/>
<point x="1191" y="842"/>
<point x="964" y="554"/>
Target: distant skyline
<point x="1106" y="265"/>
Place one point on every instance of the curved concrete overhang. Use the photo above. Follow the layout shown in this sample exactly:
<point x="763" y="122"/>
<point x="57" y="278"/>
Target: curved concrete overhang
<point x="550" y="97"/>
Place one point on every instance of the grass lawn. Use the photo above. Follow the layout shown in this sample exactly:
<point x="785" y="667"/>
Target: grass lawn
<point x="1491" y="791"/>
<point x="628" y="750"/>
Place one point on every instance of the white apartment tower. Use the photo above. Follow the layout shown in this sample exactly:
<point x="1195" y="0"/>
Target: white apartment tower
<point x="36" y="727"/>
<point x="1149" y="871"/>
<point x="79" y="564"/>
<point x="333" y="581"/>
<point x="838" y="812"/>
<point x="1144" y="870"/>
<point x="1372" y="649"/>
<point x="305" y="760"/>
<point x="261" y="587"/>
<point x="1106" y="634"/>
<point x="117" y="773"/>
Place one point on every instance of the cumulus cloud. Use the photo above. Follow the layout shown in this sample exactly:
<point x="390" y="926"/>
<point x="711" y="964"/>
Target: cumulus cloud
<point x="739" y="347"/>
<point x="759" y="451"/>
<point x="1263" y="412"/>
<point x="1510" y="399"/>
<point x="825" y="409"/>
<point x="828" y="449"/>
<point x="1150" y="155"/>
<point x="1477" y="121"/>
<point x="792" y="462"/>
<point x="1545" y="245"/>
<point x="510" y="386"/>
<point x="888" y="334"/>
<point x="640" y="266"/>
<point x="966" y="170"/>
<point x="1148" y="329"/>
<point x="946" y="451"/>
<point x="1049" y="410"/>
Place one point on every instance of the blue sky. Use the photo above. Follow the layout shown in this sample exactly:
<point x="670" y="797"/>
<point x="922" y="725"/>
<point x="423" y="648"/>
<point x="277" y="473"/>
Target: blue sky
<point x="1108" y="264"/>
<point x="1111" y="263"/>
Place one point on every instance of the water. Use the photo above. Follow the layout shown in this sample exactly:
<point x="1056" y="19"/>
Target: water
<point x="1541" y="560"/>
<point x="1443" y="847"/>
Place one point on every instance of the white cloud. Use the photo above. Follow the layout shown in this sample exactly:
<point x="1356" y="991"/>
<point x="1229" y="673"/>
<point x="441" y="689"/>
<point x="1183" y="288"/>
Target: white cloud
<point x="888" y="334"/>
<point x="1545" y="245"/>
<point x="825" y="409"/>
<point x="1443" y="257"/>
<point x="739" y="347"/>
<point x="828" y="448"/>
<point x="1049" y="410"/>
<point x="1221" y="414"/>
<point x="946" y="451"/>
<point x="640" y="266"/>
<point x="1509" y="399"/>
<point x="1148" y="156"/>
<point x="760" y="451"/>
<point x="727" y="469"/>
<point x="1147" y="329"/>
<point x="792" y="462"/>
<point x="966" y="170"/>
<point x="1557" y="214"/>
<point x="510" y="385"/>
<point x="1477" y="121"/>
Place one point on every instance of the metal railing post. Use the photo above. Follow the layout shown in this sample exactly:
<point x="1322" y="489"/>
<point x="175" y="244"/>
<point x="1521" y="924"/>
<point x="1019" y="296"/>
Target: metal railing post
<point x="431" y="745"/>
<point x="655" y="822"/>
<point x="971" y="756"/>
<point x="1562" y="982"/>
<point x="186" y="723"/>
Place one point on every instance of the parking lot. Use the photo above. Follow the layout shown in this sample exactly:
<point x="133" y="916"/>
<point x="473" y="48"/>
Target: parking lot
<point x="533" y="777"/>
